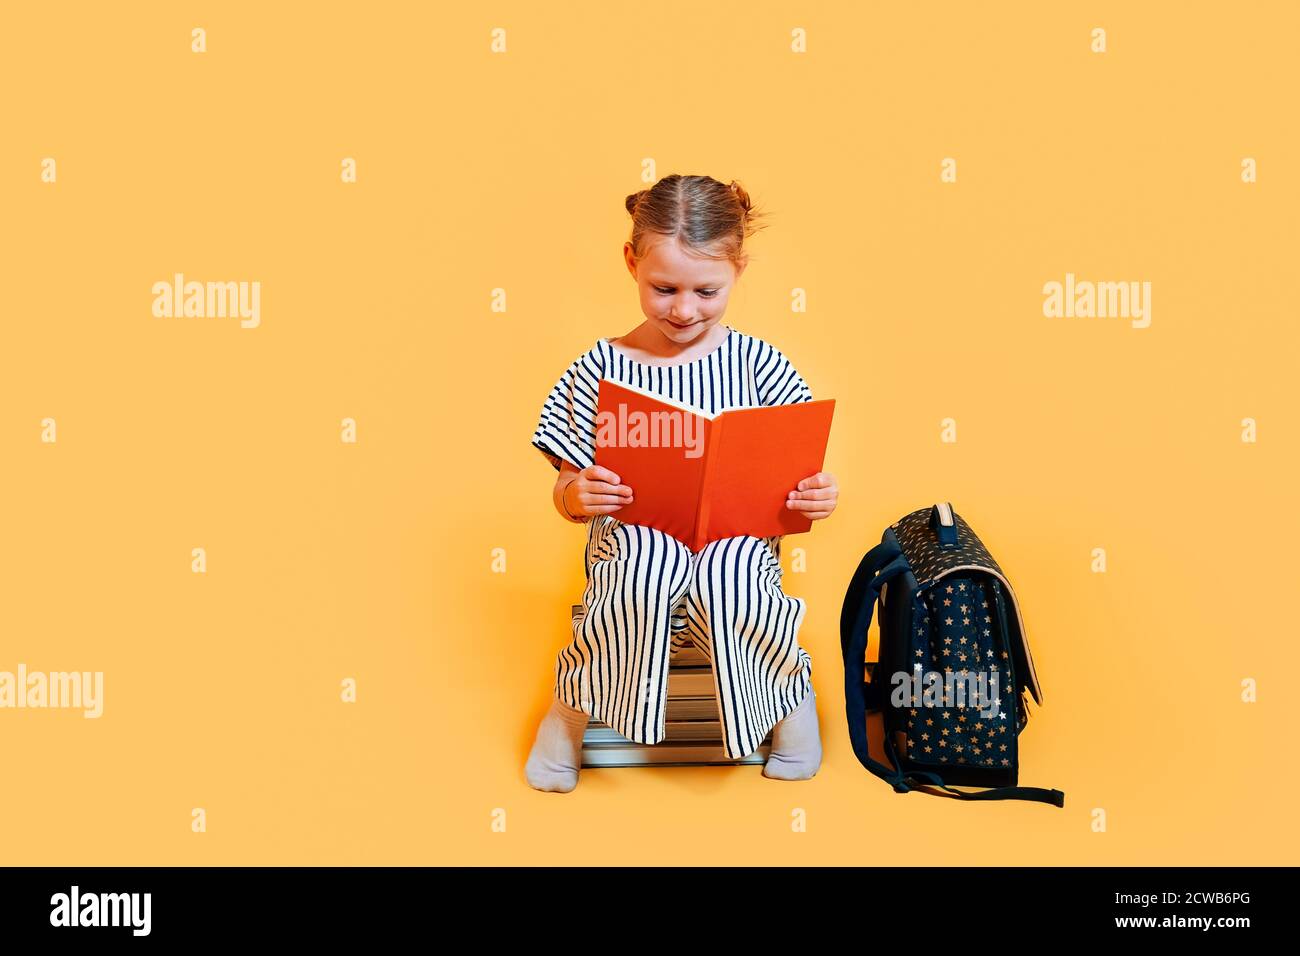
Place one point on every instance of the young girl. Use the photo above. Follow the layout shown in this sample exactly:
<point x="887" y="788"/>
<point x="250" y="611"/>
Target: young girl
<point x="647" y="595"/>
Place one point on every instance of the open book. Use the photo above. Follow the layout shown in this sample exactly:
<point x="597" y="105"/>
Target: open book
<point x="701" y="477"/>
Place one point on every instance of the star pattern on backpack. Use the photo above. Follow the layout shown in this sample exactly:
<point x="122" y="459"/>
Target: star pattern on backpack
<point x="956" y="728"/>
<point x="928" y="558"/>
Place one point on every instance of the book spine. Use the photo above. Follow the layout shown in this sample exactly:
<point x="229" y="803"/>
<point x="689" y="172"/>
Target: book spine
<point x="713" y="439"/>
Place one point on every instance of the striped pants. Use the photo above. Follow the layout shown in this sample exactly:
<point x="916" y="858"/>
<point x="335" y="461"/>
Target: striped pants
<point x="647" y="596"/>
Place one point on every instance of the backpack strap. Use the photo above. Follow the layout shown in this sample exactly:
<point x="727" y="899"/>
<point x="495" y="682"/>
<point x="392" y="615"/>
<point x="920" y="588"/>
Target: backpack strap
<point x="879" y="565"/>
<point x="913" y="781"/>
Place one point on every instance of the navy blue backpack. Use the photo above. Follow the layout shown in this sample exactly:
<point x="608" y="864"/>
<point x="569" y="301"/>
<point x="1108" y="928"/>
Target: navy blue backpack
<point x="954" y="666"/>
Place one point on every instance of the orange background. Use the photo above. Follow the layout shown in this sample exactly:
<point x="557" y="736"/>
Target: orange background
<point x="480" y="171"/>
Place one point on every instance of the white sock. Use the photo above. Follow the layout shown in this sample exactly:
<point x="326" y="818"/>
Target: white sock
<point x="796" y="744"/>
<point x="556" y="756"/>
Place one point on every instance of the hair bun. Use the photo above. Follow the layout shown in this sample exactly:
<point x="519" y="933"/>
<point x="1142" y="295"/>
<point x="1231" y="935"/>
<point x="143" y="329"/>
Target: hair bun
<point x="743" y="196"/>
<point x="632" y="200"/>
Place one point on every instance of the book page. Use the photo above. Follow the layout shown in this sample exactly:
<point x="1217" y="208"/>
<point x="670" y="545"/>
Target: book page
<point x="757" y="456"/>
<point x="658" y="450"/>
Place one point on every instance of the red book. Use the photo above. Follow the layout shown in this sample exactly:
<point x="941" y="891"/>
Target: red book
<point x="702" y="477"/>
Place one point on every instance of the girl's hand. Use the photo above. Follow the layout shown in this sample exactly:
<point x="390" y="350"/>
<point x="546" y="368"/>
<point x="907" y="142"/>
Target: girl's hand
<point x="596" y="491"/>
<point x="816" y="496"/>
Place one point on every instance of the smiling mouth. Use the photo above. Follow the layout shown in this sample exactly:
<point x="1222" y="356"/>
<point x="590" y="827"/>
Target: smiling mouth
<point x="679" y="324"/>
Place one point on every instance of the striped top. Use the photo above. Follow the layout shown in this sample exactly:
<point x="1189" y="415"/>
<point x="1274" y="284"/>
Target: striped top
<point x="743" y="370"/>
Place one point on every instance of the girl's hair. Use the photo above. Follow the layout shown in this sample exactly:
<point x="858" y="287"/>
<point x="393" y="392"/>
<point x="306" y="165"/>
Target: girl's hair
<point x="710" y="219"/>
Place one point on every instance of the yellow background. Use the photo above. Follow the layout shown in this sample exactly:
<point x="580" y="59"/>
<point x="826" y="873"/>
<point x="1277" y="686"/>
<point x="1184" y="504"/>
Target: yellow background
<point x="481" y="171"/>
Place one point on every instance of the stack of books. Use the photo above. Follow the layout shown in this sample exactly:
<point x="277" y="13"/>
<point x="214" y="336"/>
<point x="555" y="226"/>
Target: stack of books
<point x="693" y="734"/>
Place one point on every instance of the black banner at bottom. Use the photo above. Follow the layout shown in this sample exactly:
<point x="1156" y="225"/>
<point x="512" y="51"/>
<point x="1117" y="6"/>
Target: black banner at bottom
<point x="950" y="906"/>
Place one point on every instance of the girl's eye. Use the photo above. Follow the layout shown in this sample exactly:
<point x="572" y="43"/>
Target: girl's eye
<point x="707" y="293"/>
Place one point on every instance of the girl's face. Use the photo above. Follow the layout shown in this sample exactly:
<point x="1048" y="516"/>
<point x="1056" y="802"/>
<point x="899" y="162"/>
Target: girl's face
<point x="683" y="296"/>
